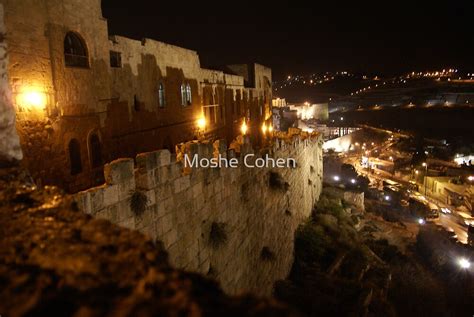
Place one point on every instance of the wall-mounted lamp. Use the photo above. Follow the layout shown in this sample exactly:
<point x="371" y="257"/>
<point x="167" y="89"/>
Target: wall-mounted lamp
<point x="201" y="123"/>
<point x="244" y="128"/>
<point x="32" y="100"/>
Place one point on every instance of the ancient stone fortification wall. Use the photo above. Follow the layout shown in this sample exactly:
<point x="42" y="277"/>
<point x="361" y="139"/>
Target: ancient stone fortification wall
<point x="257" y="209"/>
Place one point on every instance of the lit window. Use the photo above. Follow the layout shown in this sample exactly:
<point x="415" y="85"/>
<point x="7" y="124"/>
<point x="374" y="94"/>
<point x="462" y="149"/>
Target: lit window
<point x="183" y="95"/>
<point x="95" y="149"/>
<point x="188" y="94"/>
<point x="75" y="51"/>
<point x="115" y="59"/>
<point x="161" y="95"/>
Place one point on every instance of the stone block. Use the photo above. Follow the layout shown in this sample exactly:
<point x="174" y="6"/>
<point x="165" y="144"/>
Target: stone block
<point x="128" y="223"/>
<point x="111" y="195"/>
<point x="170" y="238"/>
<point x="83" y="201"/>
<point x="119" y="171"/>
<point x="126" y="189"/>
<point x="96" y="195"/>
<point x="163" y="157"/>
<point x="145" y="179"/>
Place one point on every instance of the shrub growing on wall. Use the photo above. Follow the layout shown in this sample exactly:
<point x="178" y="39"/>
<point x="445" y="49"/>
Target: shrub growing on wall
<point x="218" y="234"/>
<point x="138" y="202"/>
<point x="277" y="182"/>
<point x="267" y="255"/>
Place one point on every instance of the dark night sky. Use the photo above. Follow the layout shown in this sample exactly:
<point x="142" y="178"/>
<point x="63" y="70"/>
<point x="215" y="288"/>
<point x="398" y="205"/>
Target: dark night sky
<point x="385" y="37"/>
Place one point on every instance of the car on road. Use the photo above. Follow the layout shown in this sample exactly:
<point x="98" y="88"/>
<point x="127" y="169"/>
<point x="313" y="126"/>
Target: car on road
<point x="470" y="235"/>
<point x="432" y="215"/>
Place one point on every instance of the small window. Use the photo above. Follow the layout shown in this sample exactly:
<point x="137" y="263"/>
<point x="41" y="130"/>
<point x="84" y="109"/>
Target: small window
<point x="95" y="149"/>
<point x="212" y="114"/>
<point x="188" y="94"/>
<point x="75" y="51"/>
<point x="115" y="59"/>
<point x="183" y="95"/>
<point x="75" y="157"/>
<point x="161" y="95"/>
<point x="136" y="103"/>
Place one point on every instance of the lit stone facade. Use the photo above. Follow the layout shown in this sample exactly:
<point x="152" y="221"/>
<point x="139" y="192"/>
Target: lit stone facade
<point x="83" y="98"/>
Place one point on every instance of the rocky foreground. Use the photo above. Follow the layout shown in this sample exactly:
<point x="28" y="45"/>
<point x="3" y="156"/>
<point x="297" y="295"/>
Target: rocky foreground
<point x="56" y="261"/>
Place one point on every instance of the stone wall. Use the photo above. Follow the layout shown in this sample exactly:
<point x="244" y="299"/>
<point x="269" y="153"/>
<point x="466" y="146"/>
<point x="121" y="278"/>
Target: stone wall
<point x="235" y="224"/>
<point x="9" y="142"/>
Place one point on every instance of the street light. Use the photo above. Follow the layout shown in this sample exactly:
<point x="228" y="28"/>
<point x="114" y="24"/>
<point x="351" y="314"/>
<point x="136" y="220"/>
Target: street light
<point x="464" y="263"/>
<point x="425" y="180"/>
<point x="244" y="128"/>
<point x="336" y="178"/>
<point x="421" y="221"/>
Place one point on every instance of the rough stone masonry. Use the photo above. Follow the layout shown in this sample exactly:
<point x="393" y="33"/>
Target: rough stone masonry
<point x="10" y="149"/>
<point x="251" y="212"/>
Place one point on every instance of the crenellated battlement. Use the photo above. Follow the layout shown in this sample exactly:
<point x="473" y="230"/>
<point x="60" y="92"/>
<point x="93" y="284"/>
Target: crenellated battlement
<point x="258" y="207"/>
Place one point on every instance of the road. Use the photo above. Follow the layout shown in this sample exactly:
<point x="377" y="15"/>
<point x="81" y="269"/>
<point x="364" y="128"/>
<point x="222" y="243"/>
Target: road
<point x="451" y="222"/>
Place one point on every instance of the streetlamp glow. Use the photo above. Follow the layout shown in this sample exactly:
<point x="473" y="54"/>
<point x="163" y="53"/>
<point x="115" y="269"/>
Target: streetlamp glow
<point x="244" y="128"/>
<point x="353" y="181"/>
<point x="464" y="263"/>
<point x="336" y="178"/>
<point x="470" y="178"/>
<point x="421" y="221"/>
<point x="424" y="164"/>
<point x="201" y="123"/>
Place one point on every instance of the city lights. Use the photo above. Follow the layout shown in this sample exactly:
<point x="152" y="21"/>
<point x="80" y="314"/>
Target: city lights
<point x="336" y="178"/>
<point x="264" y="128"/>
<point x="353" y="181"/>
<point x="421" y="221"/>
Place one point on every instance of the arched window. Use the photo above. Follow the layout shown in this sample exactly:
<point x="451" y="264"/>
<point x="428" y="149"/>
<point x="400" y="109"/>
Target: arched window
<point x="184" y="98"/>
<point x="75" y="51"/>
<point x="136" y="103"/>
<point x="188" y="94"/>
<point x="161" y="95"/>
<point x="75" y="157"/>
<point x="95" y="150"/>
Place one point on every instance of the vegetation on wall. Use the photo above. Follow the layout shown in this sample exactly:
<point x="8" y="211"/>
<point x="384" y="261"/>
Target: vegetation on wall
<point x="138" y="202"/>
<point x="218" y="234"/>
<point x="267" y="255"/>
<point x="277" y="182"/>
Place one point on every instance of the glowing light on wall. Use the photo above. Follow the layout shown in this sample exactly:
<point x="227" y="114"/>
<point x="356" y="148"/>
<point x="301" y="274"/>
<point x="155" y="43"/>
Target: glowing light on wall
<point x="201" y="123"/>
<point x="264" y="128"/>
<point x="244" y="128"/>
<point x="32" y="100"/>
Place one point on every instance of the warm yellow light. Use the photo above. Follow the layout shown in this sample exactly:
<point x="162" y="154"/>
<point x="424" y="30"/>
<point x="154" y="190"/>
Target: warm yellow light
<point x="270" y="129"/>
<point x="424" y="164"/>
<point x="244" y="128"/>
<point x="264" y="128"/>
<point x="33" y="99"/>
<point x="201" y="123"/>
